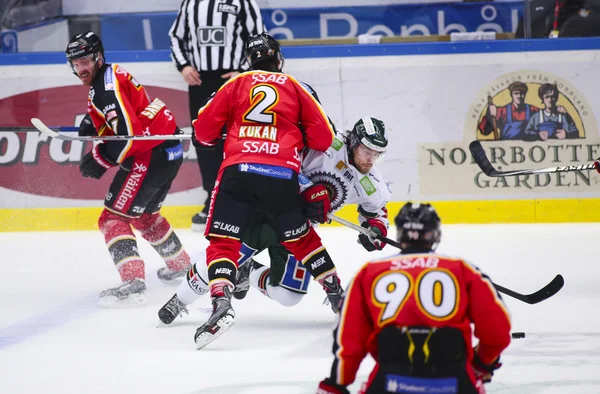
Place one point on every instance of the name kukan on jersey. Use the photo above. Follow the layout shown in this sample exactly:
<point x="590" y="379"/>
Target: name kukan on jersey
<point x="262" y="132"/>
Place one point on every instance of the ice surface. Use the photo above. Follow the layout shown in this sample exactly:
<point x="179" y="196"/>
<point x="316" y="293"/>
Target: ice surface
<point x="55" y="339"/>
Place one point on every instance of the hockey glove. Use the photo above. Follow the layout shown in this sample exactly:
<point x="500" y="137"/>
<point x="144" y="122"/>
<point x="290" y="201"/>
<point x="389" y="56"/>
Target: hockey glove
<point x="317" y="203"/>
<point x="597" y="164"/>
<point x="86" y="127"/>
<point x="93" y="164"/>
<point x="484" y="372"/>
<point x="209" y="145"/>
<point x="327" y="386"/>
<point x="372" y="243"/>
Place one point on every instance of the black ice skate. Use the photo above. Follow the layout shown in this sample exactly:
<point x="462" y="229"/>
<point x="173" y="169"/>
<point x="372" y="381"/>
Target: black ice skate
<point x="221" y="319"/>
<point x="166" y="275"/>
<point x="242" y="280"/>
<point x="129" y="293"/>
<point x="173" y="308"/>
<point x="199" y="222"/>
<point x="334" y="291"/>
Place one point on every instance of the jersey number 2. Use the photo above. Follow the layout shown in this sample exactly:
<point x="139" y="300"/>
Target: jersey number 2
<point x="436" y="294"/>
<point x="263" y="99"/>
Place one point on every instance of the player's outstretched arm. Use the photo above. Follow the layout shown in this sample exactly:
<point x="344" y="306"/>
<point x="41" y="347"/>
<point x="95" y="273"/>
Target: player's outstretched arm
<point x="350" y="337"/>
<point x="491" y="319"/>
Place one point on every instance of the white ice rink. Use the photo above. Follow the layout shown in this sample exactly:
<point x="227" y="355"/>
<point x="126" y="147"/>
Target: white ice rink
<point x="55" y="339"/>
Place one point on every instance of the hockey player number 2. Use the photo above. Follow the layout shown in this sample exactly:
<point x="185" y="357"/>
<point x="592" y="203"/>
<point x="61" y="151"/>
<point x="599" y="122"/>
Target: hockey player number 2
<point x="435" y="294"/>
<point x="264" y="97"/>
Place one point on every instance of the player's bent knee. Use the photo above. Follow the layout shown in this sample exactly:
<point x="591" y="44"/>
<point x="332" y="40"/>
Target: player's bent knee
<point x="284" y="297"/>
<point x="147" y="220"/>
<point x="108" y="219"/>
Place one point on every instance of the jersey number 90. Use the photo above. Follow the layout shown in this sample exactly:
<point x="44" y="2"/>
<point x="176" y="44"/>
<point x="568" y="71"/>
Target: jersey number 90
<point x="435" y="291"/>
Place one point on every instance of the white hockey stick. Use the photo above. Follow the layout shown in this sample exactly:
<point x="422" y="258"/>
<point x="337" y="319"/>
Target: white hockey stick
<point x="46" y="130"/>
<point x="363" y="230"/>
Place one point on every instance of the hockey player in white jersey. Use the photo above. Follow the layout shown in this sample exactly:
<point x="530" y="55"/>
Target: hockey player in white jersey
<point x="347" y="171"/>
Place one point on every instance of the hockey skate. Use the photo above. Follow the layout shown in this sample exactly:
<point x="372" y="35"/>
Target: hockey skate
<point x="173" y="308"/>
<point x="334" y="291"/>
<point x="221" y="319"/>
<point x="128" y="293"/>
<point x="168" y="276"/>
<point x="199" y="222"/>
<point x="242" y="281"/>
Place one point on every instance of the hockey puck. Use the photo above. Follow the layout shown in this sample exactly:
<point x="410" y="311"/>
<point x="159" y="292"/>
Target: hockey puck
<point x="517" y="335"/>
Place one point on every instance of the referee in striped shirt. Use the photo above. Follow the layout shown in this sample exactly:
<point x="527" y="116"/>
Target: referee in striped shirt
<point x="207" y="46"/>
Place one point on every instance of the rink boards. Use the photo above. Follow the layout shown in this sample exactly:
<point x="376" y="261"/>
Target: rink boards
<point x="432" y="97"/>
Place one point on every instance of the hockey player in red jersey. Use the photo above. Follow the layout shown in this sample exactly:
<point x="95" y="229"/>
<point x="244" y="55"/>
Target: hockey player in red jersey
<point x="413" y="313"/>
<point x="119" y="105"/>
<point x="270" y="118"/>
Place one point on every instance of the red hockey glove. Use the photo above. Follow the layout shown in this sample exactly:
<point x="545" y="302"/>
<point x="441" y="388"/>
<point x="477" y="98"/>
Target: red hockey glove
<point x="372" y="243"/>
<point x="327" y="386"/>
<point x="484" y="372"/>
<point x="597" y="164"/>
<point x="317" y="203"/>
<point x="93" y="164"/>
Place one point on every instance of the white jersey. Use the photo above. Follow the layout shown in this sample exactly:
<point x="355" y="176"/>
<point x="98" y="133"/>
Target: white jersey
<point x="345" y="184"/>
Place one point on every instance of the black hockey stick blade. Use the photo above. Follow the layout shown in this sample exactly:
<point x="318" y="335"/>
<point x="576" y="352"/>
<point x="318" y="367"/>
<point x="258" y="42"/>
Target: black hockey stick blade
<point x="543" y="294"/>
<point x="481" y="159"/>
<point x="488" y="169"/>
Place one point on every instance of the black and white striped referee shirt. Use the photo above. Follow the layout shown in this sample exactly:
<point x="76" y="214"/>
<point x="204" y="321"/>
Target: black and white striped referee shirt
<point x="210" y="34"/>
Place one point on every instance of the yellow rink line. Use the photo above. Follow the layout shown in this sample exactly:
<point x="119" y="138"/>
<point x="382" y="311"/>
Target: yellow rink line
<point x="451" y="212"/>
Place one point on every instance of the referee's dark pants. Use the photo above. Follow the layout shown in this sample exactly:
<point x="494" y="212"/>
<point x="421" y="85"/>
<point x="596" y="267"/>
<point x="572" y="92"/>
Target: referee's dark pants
<point x="209" y="158"/>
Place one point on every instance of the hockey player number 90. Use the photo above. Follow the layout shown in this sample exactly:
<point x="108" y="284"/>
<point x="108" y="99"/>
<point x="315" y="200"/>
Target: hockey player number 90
<point x="435" y="293"/>
<point x="263" y="99"/>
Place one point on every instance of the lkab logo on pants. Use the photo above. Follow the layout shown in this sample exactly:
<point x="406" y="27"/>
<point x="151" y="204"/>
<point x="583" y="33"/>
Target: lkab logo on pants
<point x="8" y="41"/>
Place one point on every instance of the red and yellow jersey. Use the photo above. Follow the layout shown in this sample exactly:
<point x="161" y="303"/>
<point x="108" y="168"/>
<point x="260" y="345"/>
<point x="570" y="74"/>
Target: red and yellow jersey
<point x="418" y="290"/>
<point x="270" y="118"/>
<point x="119" y="105"/>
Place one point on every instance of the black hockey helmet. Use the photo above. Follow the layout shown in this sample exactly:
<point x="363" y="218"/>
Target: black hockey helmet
<point x="263" y="53"/>
<point x="84" y="44"/>
<point x="418" y="227"/>
<point x="371" y="133"/>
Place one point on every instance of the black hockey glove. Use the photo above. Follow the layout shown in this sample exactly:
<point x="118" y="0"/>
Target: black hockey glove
<point x="372" y="243"/>
<point x="86" y="128"/>
<point x="93" y="164"/>
<point x="484" y="372"/>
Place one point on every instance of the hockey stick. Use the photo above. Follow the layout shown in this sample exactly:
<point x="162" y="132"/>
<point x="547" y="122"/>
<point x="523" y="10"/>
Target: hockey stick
<point x="544" y="293"/>
<point x="488" y="169"/>
<point x="39" y="125"/>
<point x="363" y="230"/>
<point x="22" y="128"/>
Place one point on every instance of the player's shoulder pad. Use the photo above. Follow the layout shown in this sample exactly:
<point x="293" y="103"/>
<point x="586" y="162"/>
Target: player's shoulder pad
<point x="312" y="93"/>
<point x="338" y="143"/>
<point x="467" y="264"/>
<point x="377" y="177"/>
<point x="307" y="87"/>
